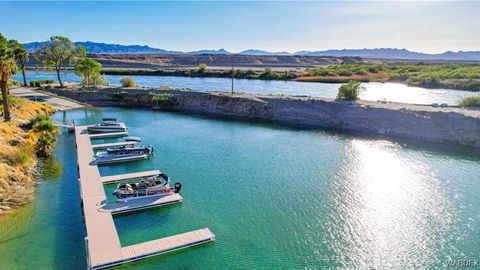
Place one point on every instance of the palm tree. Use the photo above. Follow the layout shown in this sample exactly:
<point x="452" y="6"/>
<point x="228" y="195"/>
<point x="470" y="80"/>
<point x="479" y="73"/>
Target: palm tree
<point x="7" y="68"/>
<point x="46" y="139"/>
<point x="21" y="56"/>
<point x="44" y="145"/>
<point x="45" y="126"/>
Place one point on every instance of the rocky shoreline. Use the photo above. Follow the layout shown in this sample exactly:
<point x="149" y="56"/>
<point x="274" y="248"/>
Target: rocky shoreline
<point x="435" y="124"/>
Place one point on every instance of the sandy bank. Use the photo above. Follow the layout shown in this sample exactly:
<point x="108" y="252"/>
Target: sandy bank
<point x="17" y="159"/>
<point x="447" y="125"/>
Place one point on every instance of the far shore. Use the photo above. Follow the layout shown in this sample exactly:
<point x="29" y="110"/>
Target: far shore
<point x="289" y="74"/>
<point x="436" y="124"/>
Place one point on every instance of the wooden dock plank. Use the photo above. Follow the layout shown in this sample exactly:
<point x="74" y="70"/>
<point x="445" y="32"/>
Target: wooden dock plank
<point x="103" y="242"/>
<point x="128" y="176"/>
<point x="167" y="244"/>
<point x="107" y="145"/>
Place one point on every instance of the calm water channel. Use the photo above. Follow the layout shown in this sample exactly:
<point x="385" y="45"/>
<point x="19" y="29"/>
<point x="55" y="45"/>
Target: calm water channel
<point x="276" y="198"/>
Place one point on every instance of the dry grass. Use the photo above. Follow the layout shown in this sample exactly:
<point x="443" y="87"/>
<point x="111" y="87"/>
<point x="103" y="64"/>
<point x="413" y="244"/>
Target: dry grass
<point x="17" y="158"/>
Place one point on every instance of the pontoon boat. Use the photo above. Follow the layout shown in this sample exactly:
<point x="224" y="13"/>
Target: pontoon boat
<point x="146" y="187"/>
<point x="119" y="155"/>
<point x="108" y="125"/>
<point x="126" y="149"/>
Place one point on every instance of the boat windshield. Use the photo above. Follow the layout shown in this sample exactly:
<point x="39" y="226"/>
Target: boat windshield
<point x="110" y="124"/>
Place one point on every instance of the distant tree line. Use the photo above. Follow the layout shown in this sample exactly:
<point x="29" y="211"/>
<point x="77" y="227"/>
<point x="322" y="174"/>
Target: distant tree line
<point x="55" y="55"/>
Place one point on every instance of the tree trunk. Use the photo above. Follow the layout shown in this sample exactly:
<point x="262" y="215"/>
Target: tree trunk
<point x="58" y="76"/>
<point x="6" y="109"/>
<point x="24" y="76"/>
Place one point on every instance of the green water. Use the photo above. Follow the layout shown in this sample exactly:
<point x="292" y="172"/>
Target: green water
<point x="276" y="198"/>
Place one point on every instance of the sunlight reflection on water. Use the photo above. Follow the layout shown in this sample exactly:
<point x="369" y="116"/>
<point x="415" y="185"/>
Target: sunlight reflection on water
<point x="393" y="211"/>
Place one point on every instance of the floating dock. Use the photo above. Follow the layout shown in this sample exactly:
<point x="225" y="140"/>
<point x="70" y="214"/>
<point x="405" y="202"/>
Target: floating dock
<point x="164" y="245"/>
<point x="103" y="245"/>
<point x="128" y="176"/>
<point x="115" y="144"/>
<point x="108" y="135"/>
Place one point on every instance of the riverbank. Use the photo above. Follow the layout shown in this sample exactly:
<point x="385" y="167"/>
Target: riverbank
<point x="18" y="163"/>
<point x="432" y="76"/>
<point x="435" y="124"/>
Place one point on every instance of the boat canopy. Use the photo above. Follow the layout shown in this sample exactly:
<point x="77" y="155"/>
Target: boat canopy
<point x="109" y="119"/>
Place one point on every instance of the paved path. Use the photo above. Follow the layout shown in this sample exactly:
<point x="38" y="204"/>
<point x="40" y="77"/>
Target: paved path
<point x="57" y="102"/>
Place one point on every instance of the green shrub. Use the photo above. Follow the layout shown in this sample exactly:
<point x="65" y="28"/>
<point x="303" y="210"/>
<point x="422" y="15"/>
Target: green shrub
<point x="162" y="99"/>
<point x="14" y="83"/>
<point x="202" y="68"/>
<point x="45" y="126"/>
<point x="128" y="82"/>
<point x="469" y="102"/>
<point x="100" y="80"/>
<point x="39" y="83"/>
<point x="118" y="95"/>
<point x="350" y="91"/>
<point x="361" y="72"/>
<point x="23" y="155"/>
<point x="373" y="69"/>
<point x="13" y="101"/>
<point x="345" y="73"/>
<point x="266" y="74"/>
<point x="39" y="118"/>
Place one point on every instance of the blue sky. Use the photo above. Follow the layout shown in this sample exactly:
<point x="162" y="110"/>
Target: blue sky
<point x="275" y="26"/>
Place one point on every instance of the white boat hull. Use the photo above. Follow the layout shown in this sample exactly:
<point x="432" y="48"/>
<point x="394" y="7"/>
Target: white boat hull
<point x="112" y="160"/>
<point x="128" y="199"/>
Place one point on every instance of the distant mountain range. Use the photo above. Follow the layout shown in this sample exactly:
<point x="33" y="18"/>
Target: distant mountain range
<point x="94" y="47"/>
<point x="403" y="54"/>
<point x="379" y="53"/>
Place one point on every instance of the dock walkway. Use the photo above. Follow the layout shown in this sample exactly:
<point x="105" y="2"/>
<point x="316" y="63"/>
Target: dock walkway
<point x="103" y="245"/>
<point x="164" y="245"/>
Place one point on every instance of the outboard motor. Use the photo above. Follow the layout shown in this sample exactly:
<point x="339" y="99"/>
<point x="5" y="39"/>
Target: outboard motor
<point x="177" y="187"/>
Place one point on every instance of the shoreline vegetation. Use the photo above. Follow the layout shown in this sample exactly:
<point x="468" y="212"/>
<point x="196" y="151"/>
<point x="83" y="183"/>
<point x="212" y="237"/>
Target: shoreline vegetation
<point x="449" y="76"/>
<point x="27" y="133"/>
<point x="27" y="137"/>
